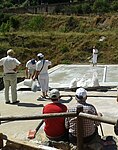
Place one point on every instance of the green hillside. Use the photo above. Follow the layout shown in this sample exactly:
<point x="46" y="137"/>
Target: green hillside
<point x="61" y="38"/>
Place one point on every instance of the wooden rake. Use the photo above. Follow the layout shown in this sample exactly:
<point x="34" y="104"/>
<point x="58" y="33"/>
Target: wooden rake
<point x="32" y="133"/>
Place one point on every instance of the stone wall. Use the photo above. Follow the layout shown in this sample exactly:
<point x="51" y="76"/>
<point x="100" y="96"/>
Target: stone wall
<point x="44" y="8"/>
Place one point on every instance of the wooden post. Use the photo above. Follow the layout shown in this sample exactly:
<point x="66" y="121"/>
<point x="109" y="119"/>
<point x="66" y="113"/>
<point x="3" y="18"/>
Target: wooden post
<point x="79" y="129"/>
<point x="1" y="140"/>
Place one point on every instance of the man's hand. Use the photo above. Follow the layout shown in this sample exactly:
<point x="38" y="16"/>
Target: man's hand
<point x="33" y="78"/>
<point x="15" y="69"/>
<point x="100" y="114"/>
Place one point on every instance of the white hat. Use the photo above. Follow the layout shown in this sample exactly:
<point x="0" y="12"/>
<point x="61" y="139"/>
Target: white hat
<point x="81" y="93"/>
<point x="54" y="94"/>
<point x="40" y="55"/>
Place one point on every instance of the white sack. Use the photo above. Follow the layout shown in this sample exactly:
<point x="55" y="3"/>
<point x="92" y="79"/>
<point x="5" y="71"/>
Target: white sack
<point x="95" y="81"/>
<point x="28" y="82"/>
<point x="35" y="86"/>
<point x="73" y="83"/>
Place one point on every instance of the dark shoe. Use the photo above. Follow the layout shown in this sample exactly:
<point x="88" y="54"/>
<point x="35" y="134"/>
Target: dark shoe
<point x="41" y="98"/>
<point x="7" y="102"/>
<point x="16" y="102"/>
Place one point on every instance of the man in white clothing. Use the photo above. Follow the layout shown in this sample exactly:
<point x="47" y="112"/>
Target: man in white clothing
<point x="30" y="68"/>
<point x="95" y="55"/>
<point x="42" y="73"/>
<point x="10" y="67"/>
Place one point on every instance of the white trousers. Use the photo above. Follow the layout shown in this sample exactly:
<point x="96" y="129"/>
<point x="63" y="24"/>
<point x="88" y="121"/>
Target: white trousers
<point x="95" y="58"/>
<point x="10" y="80"/>
<point x="44" y="82"/>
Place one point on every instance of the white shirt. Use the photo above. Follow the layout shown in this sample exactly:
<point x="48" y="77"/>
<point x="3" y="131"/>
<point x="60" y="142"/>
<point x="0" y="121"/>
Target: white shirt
<point x="95" y="51"/>
<point x="45" y="67"/>
<point x="95" y="54"/>
<point x="9" y="63"/>
<point x="29" y="65"/>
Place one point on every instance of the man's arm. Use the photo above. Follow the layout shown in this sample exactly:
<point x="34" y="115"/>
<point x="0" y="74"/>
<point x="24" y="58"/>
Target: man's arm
<point x="33" y="74"/>
<point x="16" y="68"/>
<point x="26" y="72"/>
<point x="93" y="111"/>
<point x="36" y="75"/>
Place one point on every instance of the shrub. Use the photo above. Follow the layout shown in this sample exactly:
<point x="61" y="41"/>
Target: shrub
<point x="14" y="22"/>
<point x="66" y="62"/>
<point x="36" y="23"/>
<point x="114" y="6"/>
<point x="64" y="49"/>
<point x="86" y="8"/>
<point x="71" y="24"/>
<point x="58" y="9"/>
<point x="74" y="10"/>
<point x="101" y="6"/>
<point x="5" y="27"/>
<point x="1" y="6"/>
<point x="7" y="4"/>
<point x="24" y="4"/>
<point x="4" y="18"/>
<point x="79" y="9"/>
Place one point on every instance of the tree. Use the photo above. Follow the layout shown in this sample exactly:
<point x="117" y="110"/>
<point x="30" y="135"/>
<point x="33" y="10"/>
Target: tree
<point x="101" y="6"/>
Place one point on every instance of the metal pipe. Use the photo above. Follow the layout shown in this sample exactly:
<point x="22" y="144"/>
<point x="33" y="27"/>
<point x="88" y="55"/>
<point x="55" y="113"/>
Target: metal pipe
<point x="112" y="96"/>
<point x="105" y="74"/>
<point x="117" y="93"/>
<point x="87" y="88"/>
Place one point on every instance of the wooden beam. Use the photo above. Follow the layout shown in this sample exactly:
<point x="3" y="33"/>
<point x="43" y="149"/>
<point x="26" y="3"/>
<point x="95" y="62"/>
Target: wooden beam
<point x="107" y="119"/>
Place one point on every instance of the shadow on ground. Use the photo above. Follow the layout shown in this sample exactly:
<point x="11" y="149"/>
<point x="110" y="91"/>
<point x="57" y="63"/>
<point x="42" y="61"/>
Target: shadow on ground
<point x="30" y="105"/>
